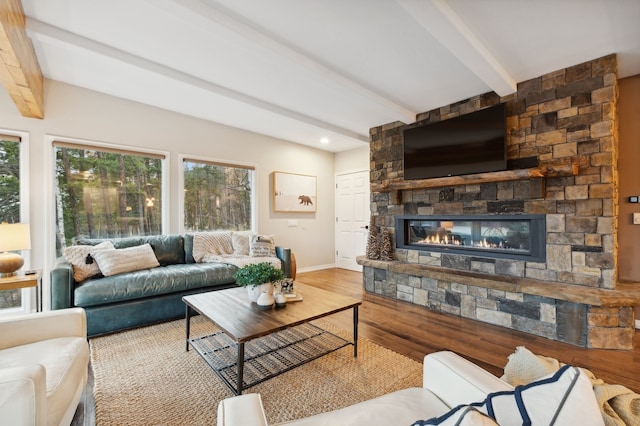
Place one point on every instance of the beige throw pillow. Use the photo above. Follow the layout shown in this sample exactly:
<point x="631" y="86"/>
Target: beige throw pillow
<point x="119" y="261"/>
<point x="82" y="261"/>
<point x="262" y="246"/>
<point x="240" y="242"/>
<point x="211" y="243"/>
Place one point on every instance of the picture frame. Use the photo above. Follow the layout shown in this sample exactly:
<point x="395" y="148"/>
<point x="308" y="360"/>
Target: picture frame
<point x="294" y="192"/>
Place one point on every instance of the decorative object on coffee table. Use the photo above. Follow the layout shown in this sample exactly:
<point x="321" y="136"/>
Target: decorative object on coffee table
<point x="258" y="278"/>
<point x="254" y="292"/>
<point x="286" y="286"/>
<point x="265" y="300"/>
<point x="281" y="301"/>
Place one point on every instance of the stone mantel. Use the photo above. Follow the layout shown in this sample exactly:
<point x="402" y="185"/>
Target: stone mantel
<point x="625" y="294"/>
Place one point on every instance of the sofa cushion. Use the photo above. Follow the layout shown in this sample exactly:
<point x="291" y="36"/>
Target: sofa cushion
<point x="211" y="243"/>
<point x="83" y="264"/>
<point x="152" y="282"/>
<point x="262" y="245"/>
<point x="397" y="408"/>
<point x="169" y="249"/>
<point x="188" y="248"/>
<point x="119" y="261"/>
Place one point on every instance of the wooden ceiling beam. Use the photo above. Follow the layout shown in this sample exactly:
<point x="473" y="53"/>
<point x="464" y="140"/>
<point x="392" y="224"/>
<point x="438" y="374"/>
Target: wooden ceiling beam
<point x="19" y="69"/>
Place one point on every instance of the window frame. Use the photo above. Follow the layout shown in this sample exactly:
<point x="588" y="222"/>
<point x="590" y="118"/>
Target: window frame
<point x="227" y="163"/>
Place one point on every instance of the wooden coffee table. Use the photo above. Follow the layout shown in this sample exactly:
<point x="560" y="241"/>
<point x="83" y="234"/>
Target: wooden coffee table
<point x="277" y="340"/>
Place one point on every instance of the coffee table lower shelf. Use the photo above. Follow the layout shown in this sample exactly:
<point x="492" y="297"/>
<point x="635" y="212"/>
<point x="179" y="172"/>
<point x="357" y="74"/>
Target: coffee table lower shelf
<point x="267" y="356"/>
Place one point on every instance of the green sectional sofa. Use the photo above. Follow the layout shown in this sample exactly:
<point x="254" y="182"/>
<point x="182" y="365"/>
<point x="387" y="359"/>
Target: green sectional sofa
<point x="146" y="296"/>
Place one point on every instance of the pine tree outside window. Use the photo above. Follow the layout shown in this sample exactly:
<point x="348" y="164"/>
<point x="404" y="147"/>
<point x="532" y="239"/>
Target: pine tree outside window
<point x="10" y="202"/>
<point x="106" y="193"/>
<point x="217" y="196"/>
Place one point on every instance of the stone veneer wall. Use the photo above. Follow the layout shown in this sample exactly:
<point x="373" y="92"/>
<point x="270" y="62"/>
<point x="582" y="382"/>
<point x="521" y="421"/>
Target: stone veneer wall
<point x="562" y="117"/>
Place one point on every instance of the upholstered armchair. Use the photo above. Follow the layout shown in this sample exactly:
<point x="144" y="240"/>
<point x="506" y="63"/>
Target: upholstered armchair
<point x="44" y="360"/>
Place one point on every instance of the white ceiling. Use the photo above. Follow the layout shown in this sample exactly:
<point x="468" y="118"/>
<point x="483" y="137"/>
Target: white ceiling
<point x="302" y="70"/>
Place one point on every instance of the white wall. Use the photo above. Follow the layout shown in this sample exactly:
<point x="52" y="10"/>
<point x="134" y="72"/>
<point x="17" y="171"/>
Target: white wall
<point x="354" y="160"/>
<point x="78" y="113"/>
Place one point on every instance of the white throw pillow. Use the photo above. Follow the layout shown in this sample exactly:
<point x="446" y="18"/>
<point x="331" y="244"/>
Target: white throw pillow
<point x="564" y="398"/>
<point x="82" y="261"/>
<point x="215" y="243"/>
<point x="119" y="261"/>
<point x="262" y="246"/>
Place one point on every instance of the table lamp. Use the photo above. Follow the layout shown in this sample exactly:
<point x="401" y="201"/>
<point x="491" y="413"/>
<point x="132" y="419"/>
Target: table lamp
<point x="13" y="237"/>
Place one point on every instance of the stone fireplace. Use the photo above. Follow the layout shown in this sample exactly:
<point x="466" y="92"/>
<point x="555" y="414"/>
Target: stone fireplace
<point x="560" y="279"/>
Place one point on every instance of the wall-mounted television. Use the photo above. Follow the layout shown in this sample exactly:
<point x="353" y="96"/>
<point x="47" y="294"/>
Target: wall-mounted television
<point x="467" y="144"/>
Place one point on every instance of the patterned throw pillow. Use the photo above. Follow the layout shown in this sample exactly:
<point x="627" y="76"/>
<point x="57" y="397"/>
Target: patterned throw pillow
<point x="564" y="398"/>
<point x="81" y="259"/>
<point x="215" y="243"/>
<point x="240" y="242"/>
<point x="119" y="261"/>
<point x="262" y="246"/>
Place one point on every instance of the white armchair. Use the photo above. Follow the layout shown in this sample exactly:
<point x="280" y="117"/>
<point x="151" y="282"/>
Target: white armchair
<point x="44" y="359"/>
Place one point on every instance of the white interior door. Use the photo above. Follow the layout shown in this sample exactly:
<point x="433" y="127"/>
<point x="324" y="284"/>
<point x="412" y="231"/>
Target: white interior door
<point x="352" y="218"/>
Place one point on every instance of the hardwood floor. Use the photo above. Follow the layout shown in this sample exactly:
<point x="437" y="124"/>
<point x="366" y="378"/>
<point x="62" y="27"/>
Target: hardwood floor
<point x="416" y="331"/>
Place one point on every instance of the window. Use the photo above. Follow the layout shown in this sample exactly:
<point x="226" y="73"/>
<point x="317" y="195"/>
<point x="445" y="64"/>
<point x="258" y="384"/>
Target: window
<point x="217" y="196"/>
<point x="104" y="193"/>
<point x="10" y="201"/>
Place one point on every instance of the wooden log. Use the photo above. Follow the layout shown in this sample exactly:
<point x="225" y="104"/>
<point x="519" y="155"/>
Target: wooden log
<point x="568" y="167"/>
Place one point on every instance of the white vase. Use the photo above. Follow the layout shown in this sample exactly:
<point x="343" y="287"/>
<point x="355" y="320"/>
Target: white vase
<point x="265" y="301"/>
<point x="255" y="291"/>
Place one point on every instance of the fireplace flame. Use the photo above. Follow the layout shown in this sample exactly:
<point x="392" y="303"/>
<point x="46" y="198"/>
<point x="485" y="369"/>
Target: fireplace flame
<point x="436" y="239"/>
<point x="445" y="240"/>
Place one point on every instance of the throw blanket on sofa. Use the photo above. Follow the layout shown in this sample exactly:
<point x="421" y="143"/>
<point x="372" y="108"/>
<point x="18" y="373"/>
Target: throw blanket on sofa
<point x="229" y="247"/>
<point x="240" y="261"/>
<point x="619" y="405"/>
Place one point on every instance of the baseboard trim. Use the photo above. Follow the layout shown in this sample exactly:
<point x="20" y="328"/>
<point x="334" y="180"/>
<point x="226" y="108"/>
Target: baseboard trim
<point x="316" y="268"/>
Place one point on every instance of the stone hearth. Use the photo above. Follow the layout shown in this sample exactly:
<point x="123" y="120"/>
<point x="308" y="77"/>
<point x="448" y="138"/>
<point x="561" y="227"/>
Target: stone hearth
<point x="562" y="152"/>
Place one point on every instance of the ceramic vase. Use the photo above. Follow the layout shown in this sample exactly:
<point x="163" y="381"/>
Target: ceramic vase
<point x="280" y="300"/>
<point x="255" y="291"/>
<point x="265" y="301"/>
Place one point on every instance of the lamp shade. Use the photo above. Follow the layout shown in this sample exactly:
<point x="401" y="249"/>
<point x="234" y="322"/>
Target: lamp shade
<point x="14" y="236"/>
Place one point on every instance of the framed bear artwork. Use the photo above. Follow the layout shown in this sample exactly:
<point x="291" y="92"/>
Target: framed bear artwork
<point x="294" y="192"/>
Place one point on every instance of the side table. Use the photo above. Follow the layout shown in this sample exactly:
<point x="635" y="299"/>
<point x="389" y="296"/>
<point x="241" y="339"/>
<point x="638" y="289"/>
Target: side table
<point x="25" y="279"/>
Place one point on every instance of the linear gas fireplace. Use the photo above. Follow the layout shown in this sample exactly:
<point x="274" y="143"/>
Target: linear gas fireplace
<point x="521" y="237"/>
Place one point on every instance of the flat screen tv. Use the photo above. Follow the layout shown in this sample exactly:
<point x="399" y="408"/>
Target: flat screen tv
<point x="467" y="144"/>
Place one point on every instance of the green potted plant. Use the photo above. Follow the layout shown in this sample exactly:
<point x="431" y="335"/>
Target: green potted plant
<point x="258" y="278"/>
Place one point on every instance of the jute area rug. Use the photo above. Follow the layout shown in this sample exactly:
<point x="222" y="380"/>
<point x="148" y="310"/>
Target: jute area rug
<point x="145" y="377"/>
